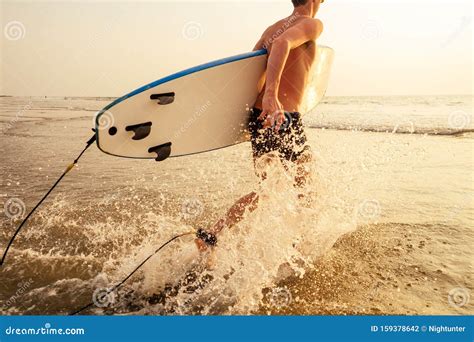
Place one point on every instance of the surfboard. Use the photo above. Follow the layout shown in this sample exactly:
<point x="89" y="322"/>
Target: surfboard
<point x="197" y="110"/>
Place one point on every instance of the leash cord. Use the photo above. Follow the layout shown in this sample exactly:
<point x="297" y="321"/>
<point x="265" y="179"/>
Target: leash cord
<point x="69" y="168"/>
<point x="134" y="271"/>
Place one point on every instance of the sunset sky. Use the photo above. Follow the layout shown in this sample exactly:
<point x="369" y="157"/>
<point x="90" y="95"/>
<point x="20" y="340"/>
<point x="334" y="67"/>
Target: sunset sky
<point x="108" y="48"/>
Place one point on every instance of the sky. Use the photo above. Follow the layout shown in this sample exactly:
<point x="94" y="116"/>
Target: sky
<point x="108" y="48"/>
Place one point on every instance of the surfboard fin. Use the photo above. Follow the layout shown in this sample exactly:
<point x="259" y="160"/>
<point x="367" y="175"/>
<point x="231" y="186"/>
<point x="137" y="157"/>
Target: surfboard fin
<point x="163" y="151"/>
<point x="141" y="130"/>
<point x="163" y="99"/>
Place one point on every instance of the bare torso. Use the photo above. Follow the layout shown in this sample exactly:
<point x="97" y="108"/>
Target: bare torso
<point x="295" y="74"/>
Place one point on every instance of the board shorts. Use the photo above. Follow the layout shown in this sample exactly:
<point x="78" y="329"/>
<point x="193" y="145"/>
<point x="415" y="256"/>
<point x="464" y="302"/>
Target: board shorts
<point x="289" y="142"/>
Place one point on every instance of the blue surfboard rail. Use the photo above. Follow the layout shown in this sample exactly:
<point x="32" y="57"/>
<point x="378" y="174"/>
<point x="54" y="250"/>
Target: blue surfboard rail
<point x="182" y="74"/>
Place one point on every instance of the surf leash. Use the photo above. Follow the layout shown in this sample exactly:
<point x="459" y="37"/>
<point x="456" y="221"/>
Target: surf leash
<point x="114" y="288"/>
<point x="69" y="168"/>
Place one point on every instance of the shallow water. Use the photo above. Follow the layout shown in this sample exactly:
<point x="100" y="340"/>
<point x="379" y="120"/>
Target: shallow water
<point x="389" y="230"/>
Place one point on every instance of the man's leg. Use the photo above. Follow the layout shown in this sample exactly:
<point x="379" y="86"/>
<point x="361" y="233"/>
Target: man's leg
<point x="233" y="216"/>
<point x="236" y="213"/>
<point x="263" y="141"/>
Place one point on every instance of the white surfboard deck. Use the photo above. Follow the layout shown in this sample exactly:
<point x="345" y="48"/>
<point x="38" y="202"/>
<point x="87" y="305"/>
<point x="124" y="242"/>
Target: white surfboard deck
<point x="208" y="108"/>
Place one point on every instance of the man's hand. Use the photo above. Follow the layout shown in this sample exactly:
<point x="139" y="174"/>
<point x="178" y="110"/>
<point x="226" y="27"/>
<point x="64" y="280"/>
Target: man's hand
<point x="273" y="114"/>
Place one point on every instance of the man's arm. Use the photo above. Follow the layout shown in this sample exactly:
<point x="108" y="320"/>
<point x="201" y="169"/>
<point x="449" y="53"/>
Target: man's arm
<point x="307" y="30"/>
<point x="298" y="35"/>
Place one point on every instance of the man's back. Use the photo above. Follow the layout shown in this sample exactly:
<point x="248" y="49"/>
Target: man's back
<point x="298" y="64"/>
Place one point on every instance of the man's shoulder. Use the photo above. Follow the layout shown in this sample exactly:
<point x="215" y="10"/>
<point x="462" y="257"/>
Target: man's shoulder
<point x="313" y="23"/>
<point x="314" y="27"/>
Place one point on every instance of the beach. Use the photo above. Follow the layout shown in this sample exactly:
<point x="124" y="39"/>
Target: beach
<point x="389" y="230"/>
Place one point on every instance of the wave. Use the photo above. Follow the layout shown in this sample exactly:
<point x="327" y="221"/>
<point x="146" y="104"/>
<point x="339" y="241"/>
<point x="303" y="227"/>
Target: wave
<point x="397" y="130"/>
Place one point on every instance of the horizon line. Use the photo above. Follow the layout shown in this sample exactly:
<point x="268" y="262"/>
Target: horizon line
<point x="115" y="97"/>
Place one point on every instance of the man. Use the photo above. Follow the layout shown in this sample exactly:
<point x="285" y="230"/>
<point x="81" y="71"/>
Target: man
<point x="275" y="122"/>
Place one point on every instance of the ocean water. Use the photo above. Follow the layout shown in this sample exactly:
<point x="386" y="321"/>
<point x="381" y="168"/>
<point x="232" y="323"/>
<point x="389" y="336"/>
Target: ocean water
<point x="389" y="229"/>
